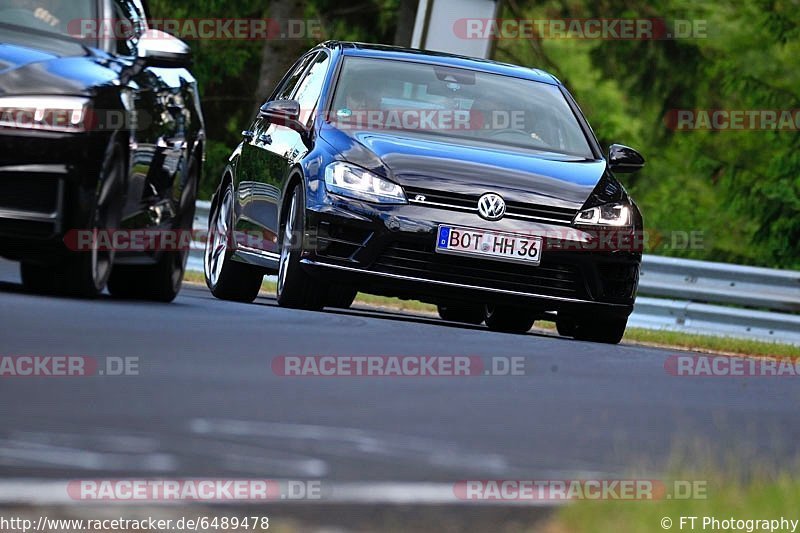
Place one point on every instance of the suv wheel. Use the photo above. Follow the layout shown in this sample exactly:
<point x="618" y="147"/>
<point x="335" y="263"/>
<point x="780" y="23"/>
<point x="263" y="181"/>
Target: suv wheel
<point x="296" y="288"/>
<point x="508" y="319"/>
<point x="468" y="314"/>
<point x="227" y="279"/>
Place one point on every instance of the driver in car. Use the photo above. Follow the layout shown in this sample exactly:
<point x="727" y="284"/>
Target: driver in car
<point x="499" y="119"/>
<point x="356" y="100"/>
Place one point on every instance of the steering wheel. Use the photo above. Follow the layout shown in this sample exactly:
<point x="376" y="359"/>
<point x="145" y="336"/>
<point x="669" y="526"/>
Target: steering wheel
<point x="510" y="130"/>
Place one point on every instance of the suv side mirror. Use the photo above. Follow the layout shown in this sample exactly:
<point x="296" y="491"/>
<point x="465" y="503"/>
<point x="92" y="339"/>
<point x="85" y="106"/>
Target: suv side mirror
<point x="160" y="49"/>
<point x="284" y="113"/>
<point x="623" y="159"/>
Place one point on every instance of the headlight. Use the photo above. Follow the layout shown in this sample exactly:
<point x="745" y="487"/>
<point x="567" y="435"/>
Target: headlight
<point x="605" y="215"/>
<point x="349" y="180"/>
<point x="49" y="113"/>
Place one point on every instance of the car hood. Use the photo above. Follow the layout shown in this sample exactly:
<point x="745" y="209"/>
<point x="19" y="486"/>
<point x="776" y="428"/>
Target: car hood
<point x="32" y="63"/>
<point x="422" y="162"/>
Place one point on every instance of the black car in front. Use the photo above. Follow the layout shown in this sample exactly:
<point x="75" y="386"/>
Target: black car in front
<point x="473" y="185"/>
<point x="101" y="135"/>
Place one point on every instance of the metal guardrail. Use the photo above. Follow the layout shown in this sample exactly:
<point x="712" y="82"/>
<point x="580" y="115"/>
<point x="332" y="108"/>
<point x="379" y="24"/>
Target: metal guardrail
<point x="687" y="291"/>
<point x="704" y="281"/>
<point x="691" y="317"/>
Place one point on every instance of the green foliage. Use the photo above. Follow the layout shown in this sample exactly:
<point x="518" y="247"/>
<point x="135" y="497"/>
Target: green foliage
<point x="741" y="189"/>
<point x="228" y="69"/>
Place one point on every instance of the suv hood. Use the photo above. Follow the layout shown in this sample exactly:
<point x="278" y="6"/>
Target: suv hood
<point x="422" y="162"/>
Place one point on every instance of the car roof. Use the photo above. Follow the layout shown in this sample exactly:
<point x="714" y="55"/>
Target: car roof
<point x="383" y="51"/>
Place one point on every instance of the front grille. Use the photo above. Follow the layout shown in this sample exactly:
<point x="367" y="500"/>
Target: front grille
<point x="417" y="260"/>
<point x="24" y="192"/>
<point x="469" y="202"/>
<point x="543" y="212"/>
<point x="464" y="201"/>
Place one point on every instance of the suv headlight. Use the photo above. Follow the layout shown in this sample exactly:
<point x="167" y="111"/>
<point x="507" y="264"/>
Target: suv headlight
<point x="617" y="215"/>
<point x="355" y="182"/>
<point x="49" y="113"/>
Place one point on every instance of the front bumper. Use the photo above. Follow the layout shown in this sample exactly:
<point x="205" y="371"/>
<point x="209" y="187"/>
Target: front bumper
<point x="389" y="250"/>
<point x="46" y="185"/>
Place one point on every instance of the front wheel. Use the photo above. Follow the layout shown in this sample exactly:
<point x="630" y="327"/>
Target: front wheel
<point x="227" y="279"/>
<point x="340" y="296"/>
<point x="468" y="314"/>
<point x="85" y="273"/>
<point x="38" y="278"/>
<point x="605" y="330"/>
<point x="508" y="319"/>
<point x="296" y="289"/>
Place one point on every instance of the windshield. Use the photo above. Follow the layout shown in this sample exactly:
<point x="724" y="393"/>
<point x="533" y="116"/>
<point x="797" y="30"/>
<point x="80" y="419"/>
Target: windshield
<point x="65" y="17"/>
<point x="456" y="104"/>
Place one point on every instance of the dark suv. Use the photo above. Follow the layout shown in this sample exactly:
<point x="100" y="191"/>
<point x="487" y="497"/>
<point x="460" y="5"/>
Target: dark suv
<point x="474" y="185"/>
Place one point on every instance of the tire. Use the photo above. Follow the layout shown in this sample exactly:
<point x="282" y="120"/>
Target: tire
<point x="86" y="274"/>
<point x="227" y="279"/>
<point x="160" y="282"/>
<point x="296" y="289"/>
<point x="508" y="319"/>
<point x="565" y="326"/>
<point x="607" y="331"/>
<point x="468" y="314"/>
<point x="340" y="296"/>
<point x="38" y="278"/>
<point x="82" y="273"/>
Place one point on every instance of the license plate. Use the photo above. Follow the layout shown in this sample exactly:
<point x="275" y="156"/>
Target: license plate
<point x="489" y="244"/>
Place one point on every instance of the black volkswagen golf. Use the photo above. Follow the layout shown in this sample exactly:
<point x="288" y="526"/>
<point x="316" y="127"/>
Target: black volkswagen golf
<point x="101" y="131"/>
<point x="473" y="185"/>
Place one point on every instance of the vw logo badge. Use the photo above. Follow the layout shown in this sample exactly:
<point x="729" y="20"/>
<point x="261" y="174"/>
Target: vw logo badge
<point x="491" y="206"/>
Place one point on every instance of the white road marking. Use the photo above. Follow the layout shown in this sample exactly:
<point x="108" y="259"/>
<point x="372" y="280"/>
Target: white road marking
<point x="26" y="491"/>
<point x="17" y="452"/>
<point x="358" y="442"/>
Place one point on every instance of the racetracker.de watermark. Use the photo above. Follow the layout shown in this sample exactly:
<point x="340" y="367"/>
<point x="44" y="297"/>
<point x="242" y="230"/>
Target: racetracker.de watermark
<point x="242" y="29"/>
<point x="731" y="366"/>
<point x="193" y="490"/>
<point x="556" y="240"/>
<point x="614" y="29"/>
<point x="67" y="366"/>
<point x="24" y="117"/>
<point x="433" y="120"/>
<point x="733" y="119"/>
<point x="520" y="490"/>
<point x="397" y="366"/>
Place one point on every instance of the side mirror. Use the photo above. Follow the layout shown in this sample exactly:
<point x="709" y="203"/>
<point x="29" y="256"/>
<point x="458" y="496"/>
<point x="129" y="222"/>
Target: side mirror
<point x="623" y="159"/>
<point x="284" y="113"/>
<point x="160" y="49"/>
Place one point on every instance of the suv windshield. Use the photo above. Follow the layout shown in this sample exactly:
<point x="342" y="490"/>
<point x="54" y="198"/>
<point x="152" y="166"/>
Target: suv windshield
<point x="65" y="17"/>
<point x="456" y="104"/>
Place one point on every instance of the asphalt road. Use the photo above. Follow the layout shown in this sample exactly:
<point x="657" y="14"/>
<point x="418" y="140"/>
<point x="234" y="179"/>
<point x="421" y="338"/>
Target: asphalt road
<point x="207" y="403"/>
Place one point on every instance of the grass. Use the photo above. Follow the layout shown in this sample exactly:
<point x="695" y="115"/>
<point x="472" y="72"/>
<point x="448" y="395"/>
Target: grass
<point x="728" y="345"/>
<point x="761" y="499"/>
<point x="659" y="338"/>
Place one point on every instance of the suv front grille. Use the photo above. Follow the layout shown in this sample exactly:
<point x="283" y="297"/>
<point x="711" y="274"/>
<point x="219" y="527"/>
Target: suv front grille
<point x="469" y="202"/>
<point x="420" y="261"/>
